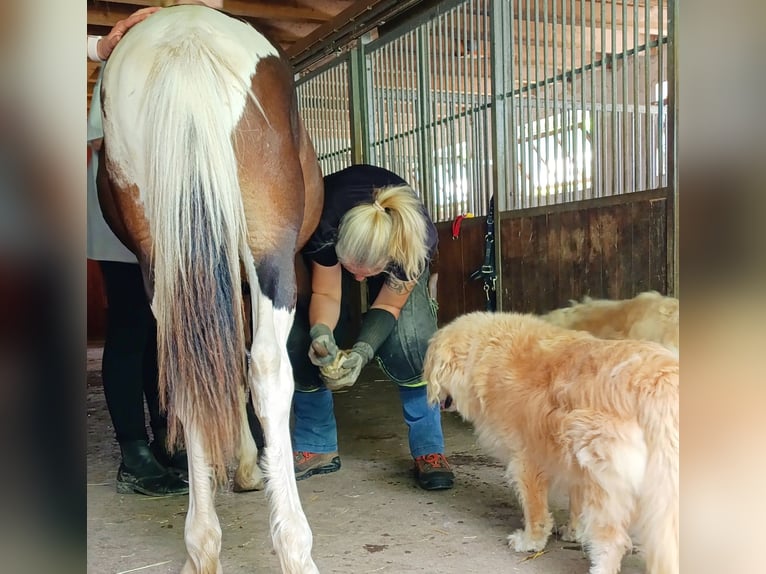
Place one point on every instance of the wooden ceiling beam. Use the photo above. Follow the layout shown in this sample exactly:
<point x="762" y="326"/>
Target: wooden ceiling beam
<point x="246" y="8"/>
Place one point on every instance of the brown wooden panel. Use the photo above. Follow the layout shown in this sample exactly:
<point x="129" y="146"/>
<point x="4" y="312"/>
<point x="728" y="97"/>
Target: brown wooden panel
<point x="640" y="213"/>
<point x="572" y="258"/>
<point x="510" y="264"/>
<point x="595" y="277"/>
<point x="553" y="250"/>
<point x="458" y="258"/>
<point x="528" y="265"/>
<point x="473" y="234"/>
<point x="613" y="247"/>
<point x="449" y="288"/>
<point x="658" y="278"/>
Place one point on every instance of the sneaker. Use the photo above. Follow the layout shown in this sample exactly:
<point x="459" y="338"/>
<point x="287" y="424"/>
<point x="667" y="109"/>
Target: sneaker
<point x="310" y="463"/>
<point x="433" y="472"/>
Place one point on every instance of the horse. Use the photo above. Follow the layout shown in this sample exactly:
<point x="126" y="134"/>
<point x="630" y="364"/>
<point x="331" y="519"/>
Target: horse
<point x="211" y="179"/>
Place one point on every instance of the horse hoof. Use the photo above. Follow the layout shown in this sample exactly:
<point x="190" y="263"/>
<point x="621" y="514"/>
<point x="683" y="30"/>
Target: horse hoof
<point x="242" y="484"/>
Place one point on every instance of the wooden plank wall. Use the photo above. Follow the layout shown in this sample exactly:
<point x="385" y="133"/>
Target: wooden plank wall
<point x="613" y="247"/>
<point x="457" y="259"/>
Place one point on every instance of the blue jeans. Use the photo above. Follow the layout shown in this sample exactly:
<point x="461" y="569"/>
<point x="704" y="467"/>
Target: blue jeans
<point x="315" y="429"/>
<point x="401" y="358"/>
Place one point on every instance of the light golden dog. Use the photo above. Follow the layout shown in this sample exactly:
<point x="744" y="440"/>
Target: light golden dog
<point x="563" y="408"/>
<point x="648" y="316"/>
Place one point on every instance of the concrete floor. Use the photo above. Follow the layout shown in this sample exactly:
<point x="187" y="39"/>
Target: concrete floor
<point x="368" y="517"/>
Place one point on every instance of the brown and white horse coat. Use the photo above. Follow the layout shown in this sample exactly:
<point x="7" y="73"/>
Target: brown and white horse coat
<point x="211" y="171"/>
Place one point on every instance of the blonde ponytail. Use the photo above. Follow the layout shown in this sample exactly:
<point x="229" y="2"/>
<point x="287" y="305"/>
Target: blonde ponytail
<point x="392" y="229"/>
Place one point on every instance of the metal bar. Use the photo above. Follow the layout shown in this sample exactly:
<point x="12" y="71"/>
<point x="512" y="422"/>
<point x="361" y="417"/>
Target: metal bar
<point x="514" y="170"/>
<point x="673" y="250"/>
<point x="544" y="143"/>
<point x="555" y="110"/>
<point x="636" y="163"/>
<point x="385" y="101"/>
<point x="462" y="96"/>
<point x="327" y="112"/>
<point x="595" y="143"/>
<point x="380" y="111"/>
<point x="426" y="107"/>
<point x="370" y="97"/>
<point x="583" y="172"/>
<point x="322" y="93"/>
<point x="452" y="151"/>
<point x="625" y="108"/>
<point x="520" y="136"/>
<point x="411" y="116"/>
<point x="488" y="95"/>
<point x="662" y="173"/>
<point x="613" y="120"/>
<point x="396" y="56"/>
<point x="566" y="104"/>
<point x="358" y="123"/>
<point x="440" y="140"/>
<point x="469" y="58"/>
<point x="649" y="180"/>
<point x="390" y="105"/>
<point x="602" y="114"/>
<point x="626" y="154"/>
<point x="334" y="84"/>
<point x="501" y="54"/>
<point x="572" y="135"/>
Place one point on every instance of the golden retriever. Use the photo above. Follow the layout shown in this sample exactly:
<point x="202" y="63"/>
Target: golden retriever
<point x="648" y="316"/>
<point x="563" y="408"/>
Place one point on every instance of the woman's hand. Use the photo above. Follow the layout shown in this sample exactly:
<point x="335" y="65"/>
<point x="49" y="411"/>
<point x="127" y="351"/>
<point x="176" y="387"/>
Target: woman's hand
<point x="107" y="43"/>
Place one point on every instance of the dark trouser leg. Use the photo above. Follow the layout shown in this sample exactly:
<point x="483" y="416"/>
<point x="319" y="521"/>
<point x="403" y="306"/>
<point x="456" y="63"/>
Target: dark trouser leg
<point x="130" y="328"/>
<point x="129" y="324"/>
<point x="157" y="418"/>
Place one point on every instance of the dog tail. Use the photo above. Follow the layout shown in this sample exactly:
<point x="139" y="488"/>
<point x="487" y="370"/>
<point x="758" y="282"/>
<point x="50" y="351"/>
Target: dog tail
<point x="657" y="522"/>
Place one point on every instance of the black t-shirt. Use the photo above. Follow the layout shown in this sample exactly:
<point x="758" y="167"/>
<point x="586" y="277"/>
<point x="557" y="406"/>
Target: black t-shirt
<point x="344" y="190"/>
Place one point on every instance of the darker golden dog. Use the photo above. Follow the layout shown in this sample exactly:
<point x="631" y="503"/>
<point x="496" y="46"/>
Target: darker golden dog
<point x="564" y="408"/>
<point x="648" y="316"/>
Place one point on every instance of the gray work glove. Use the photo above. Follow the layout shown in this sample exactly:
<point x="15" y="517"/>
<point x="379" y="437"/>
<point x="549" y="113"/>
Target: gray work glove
<point x="348" y="368"/>
<point x="323" y="348"/>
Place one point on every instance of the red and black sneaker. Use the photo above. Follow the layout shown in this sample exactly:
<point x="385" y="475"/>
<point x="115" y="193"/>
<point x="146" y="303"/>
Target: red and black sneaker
<point x="433" y="472"/>
<point x="310" y="463"/>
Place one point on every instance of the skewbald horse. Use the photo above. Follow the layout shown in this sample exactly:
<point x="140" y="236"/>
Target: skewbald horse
<point x="210" y="172"/>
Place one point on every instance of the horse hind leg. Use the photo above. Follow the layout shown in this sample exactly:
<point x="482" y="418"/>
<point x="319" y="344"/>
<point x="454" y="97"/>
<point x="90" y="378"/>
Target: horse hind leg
<point x="249" y="475"/>
<point x="202" y="532"/>
<point x="271" y="383"/>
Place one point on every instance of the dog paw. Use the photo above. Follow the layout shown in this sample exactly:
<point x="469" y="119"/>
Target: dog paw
<point x="568" y="534"/>
<point x="520" y="541"/>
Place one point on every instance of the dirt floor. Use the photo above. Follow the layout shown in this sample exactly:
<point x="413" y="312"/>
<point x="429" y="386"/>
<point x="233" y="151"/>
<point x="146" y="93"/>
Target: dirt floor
<point x="368" y="517"/>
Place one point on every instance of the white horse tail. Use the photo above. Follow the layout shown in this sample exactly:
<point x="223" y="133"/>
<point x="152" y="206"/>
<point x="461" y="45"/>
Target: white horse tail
<point x="198" y="228"/>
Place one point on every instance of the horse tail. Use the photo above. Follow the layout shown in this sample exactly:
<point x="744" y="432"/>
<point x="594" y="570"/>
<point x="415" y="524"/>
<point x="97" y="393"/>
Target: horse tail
<point x="657" y="520"/>
<point x="198" y="229"/>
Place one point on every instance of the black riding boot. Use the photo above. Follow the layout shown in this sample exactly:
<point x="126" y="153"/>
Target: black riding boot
<point x="176" y="461"/>
<point x="141" y="472"/>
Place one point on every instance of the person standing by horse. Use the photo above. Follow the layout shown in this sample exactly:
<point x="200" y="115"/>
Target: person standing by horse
<point x="375" y="227"/>
<point x="129" y="367"/>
